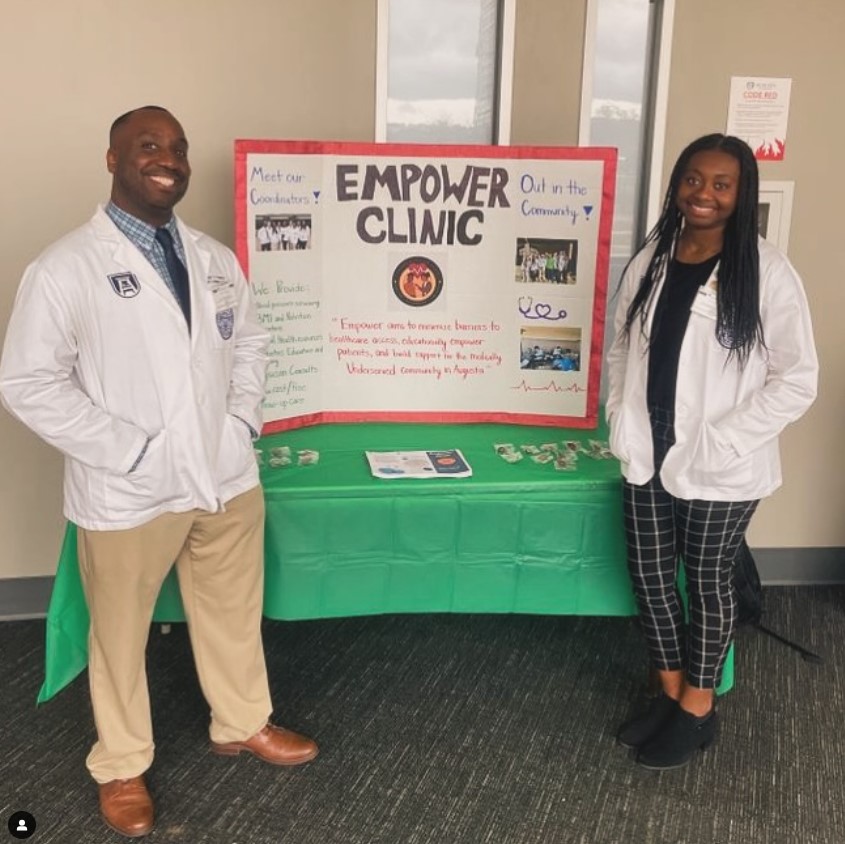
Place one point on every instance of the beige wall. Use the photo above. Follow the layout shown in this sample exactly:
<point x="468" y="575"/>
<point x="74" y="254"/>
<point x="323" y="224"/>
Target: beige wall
<point x="548" y="56"/>
<point x="281" y="69"/>
<point x="259" y="69"/>
<point x="722" y="38"/>
<point x="227" y="69"/>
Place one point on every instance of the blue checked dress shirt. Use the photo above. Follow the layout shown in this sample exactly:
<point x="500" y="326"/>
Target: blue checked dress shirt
<point x="143" y="236"/>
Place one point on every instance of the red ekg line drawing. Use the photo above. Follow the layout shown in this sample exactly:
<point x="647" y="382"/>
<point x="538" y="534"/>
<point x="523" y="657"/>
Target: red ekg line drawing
<point x="551" y="387"/>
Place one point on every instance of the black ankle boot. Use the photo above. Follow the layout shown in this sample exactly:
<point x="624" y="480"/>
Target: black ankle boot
<point x="642" y="728"/>
<point x="678" y="741"/>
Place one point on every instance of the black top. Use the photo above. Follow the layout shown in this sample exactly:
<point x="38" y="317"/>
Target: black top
<point x="671" y="316"/>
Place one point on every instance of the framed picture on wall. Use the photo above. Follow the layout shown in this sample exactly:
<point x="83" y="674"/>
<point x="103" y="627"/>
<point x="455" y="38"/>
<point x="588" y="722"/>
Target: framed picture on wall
<point x="775" y="212"/>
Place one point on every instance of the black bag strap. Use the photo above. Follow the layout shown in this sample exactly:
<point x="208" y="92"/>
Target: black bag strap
<point x="807" y="656"/>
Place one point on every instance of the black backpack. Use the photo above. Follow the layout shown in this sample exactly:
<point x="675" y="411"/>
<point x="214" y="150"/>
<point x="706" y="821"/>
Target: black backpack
<point x="749" y="590"/>
<point x="749" y="594"/>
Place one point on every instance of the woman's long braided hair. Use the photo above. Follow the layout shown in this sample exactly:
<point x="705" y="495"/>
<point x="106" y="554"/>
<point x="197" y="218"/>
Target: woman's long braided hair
<point x="738" y="324"/>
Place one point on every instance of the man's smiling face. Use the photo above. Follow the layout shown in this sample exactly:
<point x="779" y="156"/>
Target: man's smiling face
<point x="148" y="159"/>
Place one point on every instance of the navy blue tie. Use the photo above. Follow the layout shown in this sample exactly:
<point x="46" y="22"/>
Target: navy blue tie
<point x="177" y="271"/>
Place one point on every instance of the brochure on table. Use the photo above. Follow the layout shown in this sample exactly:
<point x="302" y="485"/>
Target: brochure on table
<point x="418" y="464"/>
<point x="427" y="283"/>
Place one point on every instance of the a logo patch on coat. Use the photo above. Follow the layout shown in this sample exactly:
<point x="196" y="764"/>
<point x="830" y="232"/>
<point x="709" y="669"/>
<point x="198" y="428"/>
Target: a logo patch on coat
<point x="226" y="322"/>
<point x="125" y="285"/>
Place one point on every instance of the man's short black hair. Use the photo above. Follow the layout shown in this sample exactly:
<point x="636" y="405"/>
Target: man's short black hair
<point x="124" y="117"/>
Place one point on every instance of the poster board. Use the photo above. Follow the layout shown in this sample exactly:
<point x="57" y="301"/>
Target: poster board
<point x="419" y="283"/>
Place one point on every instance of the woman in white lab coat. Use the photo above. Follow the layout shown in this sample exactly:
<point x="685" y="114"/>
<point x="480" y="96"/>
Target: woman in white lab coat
<point x="713" y="356"/>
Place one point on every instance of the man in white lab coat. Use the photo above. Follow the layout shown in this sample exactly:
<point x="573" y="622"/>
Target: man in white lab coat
<point x="133" y="348"/>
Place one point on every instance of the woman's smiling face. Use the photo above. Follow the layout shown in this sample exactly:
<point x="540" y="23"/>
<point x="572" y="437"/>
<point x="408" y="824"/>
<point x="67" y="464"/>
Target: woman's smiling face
<point x="707" y="193"/>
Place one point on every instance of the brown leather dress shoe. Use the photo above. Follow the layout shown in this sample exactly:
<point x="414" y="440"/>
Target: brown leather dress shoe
<point x="126" y="806"/>
<point x="275" y="745"/>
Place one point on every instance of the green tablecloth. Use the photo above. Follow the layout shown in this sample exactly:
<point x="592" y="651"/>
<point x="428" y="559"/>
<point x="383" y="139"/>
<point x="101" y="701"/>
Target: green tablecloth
<point x="519" y="537"/>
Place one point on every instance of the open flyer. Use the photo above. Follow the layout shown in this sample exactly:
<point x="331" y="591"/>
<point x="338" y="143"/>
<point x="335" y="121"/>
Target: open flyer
<point x="418" y="464"/>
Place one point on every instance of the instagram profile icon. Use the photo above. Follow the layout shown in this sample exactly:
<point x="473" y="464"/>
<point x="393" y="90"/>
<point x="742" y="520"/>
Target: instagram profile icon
<point x="21" y="825"/>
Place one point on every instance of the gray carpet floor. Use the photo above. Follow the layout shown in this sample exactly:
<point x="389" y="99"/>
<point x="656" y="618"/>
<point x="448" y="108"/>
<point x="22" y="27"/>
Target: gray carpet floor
<point x="456" y="728"/>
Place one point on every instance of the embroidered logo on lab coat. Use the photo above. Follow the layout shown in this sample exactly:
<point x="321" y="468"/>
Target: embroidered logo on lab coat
<point x="226" y="322"/>
<point x="125" y="285"/>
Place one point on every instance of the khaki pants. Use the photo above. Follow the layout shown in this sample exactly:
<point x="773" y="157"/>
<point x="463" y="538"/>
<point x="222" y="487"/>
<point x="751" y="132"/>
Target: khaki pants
<point x="220" y="565"/>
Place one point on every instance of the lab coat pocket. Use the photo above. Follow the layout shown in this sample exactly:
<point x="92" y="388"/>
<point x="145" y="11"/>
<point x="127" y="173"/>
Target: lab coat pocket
<point x="145" y="485"/>
<point x="236" y="450"/>
<point x="716" y="465"/>
<point x="619" y="444"/>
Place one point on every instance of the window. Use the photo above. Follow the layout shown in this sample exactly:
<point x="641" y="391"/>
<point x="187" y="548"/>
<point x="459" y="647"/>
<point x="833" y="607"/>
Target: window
<point x="438" y="71"/>
<point x="621" y="93"/>
<point x="617" y="108"/>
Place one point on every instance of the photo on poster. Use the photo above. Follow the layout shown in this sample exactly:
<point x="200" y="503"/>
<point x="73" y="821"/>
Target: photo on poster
<point x="557" y="349"/>
<point x="546" y="260"/>
<point x="282" y="233"/>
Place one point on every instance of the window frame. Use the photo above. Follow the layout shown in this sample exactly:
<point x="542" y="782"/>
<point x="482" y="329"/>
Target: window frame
<point x="655" y="105"/>
<point x="503" y="82"/>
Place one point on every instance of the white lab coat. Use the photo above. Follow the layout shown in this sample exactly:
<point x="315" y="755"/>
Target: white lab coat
<point x="96" y="365"/>
<point x="727" y="419"/>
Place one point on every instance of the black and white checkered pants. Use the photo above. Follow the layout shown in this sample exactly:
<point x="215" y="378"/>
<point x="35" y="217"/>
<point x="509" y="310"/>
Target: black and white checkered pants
<point x="661" y="529"/>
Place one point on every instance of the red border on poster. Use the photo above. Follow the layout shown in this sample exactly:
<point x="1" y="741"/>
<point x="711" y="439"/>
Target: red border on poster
<point x="607" y="155"/>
